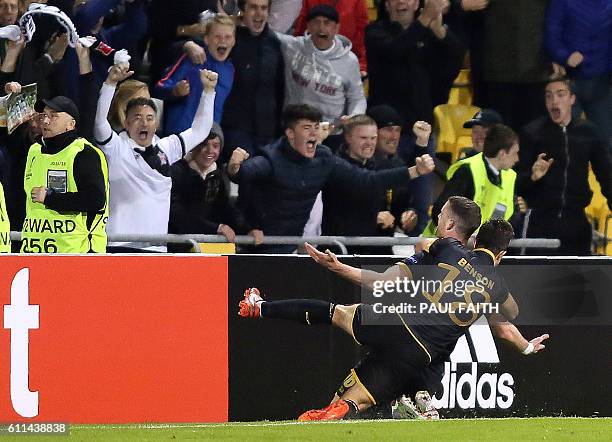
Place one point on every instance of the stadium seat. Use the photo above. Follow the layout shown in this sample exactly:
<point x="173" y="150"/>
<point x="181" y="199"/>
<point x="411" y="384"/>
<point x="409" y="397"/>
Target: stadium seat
<point x="461" y="92"/>
<point x="600" y="217"/>
<point x="217" y="248"/>
<point x="372" y="11"/>
<point x="451" y="135"/>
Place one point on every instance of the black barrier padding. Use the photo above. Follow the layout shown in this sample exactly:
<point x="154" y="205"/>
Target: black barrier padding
<point x="571" y="377"/>
<point x="278" y="369"/>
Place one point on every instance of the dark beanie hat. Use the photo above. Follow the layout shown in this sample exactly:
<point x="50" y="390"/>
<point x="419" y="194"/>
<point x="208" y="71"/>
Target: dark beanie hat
<point x="323" y="10"/>
<point x="384" y="116"/>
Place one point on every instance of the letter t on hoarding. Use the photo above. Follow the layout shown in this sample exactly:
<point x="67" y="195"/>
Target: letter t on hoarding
<point x="20" y="317"/>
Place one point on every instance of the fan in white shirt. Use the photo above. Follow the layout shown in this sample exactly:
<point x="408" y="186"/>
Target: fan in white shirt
<point x="138" y="160"/>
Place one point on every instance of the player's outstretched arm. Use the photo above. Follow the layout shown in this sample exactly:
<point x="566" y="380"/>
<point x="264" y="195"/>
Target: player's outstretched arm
<point x="508" y="331"/>
<point x="509" y="309"/>
<point x="358" y="276"/>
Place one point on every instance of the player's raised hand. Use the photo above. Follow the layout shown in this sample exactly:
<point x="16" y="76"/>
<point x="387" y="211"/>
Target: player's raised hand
<point x="540" y="167"/>
<point x="424" y="164"/>
<point x="327" y="259"/>
<point x="237" y="158"/>
<point x="209" y="79"/>
<point x="535" y="345"/>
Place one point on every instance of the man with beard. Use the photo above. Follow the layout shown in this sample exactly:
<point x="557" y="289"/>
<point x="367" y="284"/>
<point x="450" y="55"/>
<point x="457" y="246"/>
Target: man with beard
<point x="409" y="204"/>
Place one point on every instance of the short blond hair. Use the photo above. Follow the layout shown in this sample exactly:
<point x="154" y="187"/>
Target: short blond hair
<point x="222" y="20"/>
<point x="358" y="120"/>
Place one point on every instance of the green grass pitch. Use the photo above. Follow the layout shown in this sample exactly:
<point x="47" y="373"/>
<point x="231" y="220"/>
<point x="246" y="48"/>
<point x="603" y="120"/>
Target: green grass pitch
<point x="512" y="429"/>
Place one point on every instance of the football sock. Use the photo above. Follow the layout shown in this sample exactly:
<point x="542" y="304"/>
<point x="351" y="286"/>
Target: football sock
<point x="305" y="311"/>
<point x="353" y="410"/>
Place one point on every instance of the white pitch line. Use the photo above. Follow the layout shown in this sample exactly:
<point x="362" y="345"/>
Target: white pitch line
<point x="154" y="426"/>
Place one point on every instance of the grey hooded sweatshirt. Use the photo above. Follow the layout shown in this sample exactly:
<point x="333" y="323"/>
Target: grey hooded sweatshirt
<point x="328" y="80"/>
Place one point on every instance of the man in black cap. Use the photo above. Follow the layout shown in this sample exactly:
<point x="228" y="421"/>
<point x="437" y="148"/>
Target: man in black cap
<point x="409" y="203"/>
<point x="66" y="184"/>
<point x="480" y="124"/>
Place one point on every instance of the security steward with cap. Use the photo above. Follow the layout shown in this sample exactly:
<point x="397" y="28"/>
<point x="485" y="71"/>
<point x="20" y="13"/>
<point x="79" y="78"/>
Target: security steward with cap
<point x="480" y="124"/>
<point x="486" y="178"/>
<point x="66" y="183"/>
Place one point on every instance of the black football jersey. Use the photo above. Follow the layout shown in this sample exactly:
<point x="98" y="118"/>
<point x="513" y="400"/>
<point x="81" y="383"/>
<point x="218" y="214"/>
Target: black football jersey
<point x="452" y="288"/>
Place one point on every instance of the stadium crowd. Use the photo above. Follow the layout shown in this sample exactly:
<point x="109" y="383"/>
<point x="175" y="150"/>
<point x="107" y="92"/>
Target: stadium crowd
<point x="320" y="111"/>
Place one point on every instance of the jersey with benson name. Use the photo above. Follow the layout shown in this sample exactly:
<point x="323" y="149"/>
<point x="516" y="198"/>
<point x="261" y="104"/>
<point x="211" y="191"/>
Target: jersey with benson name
<point x="453" y="288"/>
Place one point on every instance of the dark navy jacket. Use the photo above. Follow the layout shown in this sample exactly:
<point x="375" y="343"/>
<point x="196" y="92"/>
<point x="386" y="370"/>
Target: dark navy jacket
<point x="289" y="184"/>
<point x="584" y="26"/>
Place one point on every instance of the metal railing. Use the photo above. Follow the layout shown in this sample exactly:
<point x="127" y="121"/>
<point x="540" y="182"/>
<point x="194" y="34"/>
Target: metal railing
<point x="340" y="241"/>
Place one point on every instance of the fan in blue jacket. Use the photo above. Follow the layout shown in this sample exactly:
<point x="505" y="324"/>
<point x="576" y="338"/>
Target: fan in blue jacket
<point x="578" y="36"/>
<point x="180" y="87"/>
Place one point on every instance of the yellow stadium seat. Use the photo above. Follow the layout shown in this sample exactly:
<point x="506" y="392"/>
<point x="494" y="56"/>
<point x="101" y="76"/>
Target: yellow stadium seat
<point x="599" y="215"/>
<point x="449" y="119"/>
<point x="218" y="248"/>
<point x="598" y="202"/>
<point x="608" y="232"/>
<point x="372" y="11"/>
<point x="461" y="92"/>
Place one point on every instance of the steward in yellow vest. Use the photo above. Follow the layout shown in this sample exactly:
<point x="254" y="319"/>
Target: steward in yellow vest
<point x="487" y="178"/>
<point x="5" y="225"/>
<point x="66" y="183"/>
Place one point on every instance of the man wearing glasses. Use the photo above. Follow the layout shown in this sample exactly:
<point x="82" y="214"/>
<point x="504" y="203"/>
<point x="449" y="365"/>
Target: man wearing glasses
<point x="66" y="184"/>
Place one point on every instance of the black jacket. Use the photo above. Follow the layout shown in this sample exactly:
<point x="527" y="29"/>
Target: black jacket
<point x="565" y="186"/>
<point x="164" y="17"/>
<point x="289" y="184"/>
<point x="352" y="214"/>
<point x="88" y="176"/>
<point x="256" y="100"/>
<point x="410" y="69"/>
<point x="396" y="199"/>
<point x="199" y="205"/>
